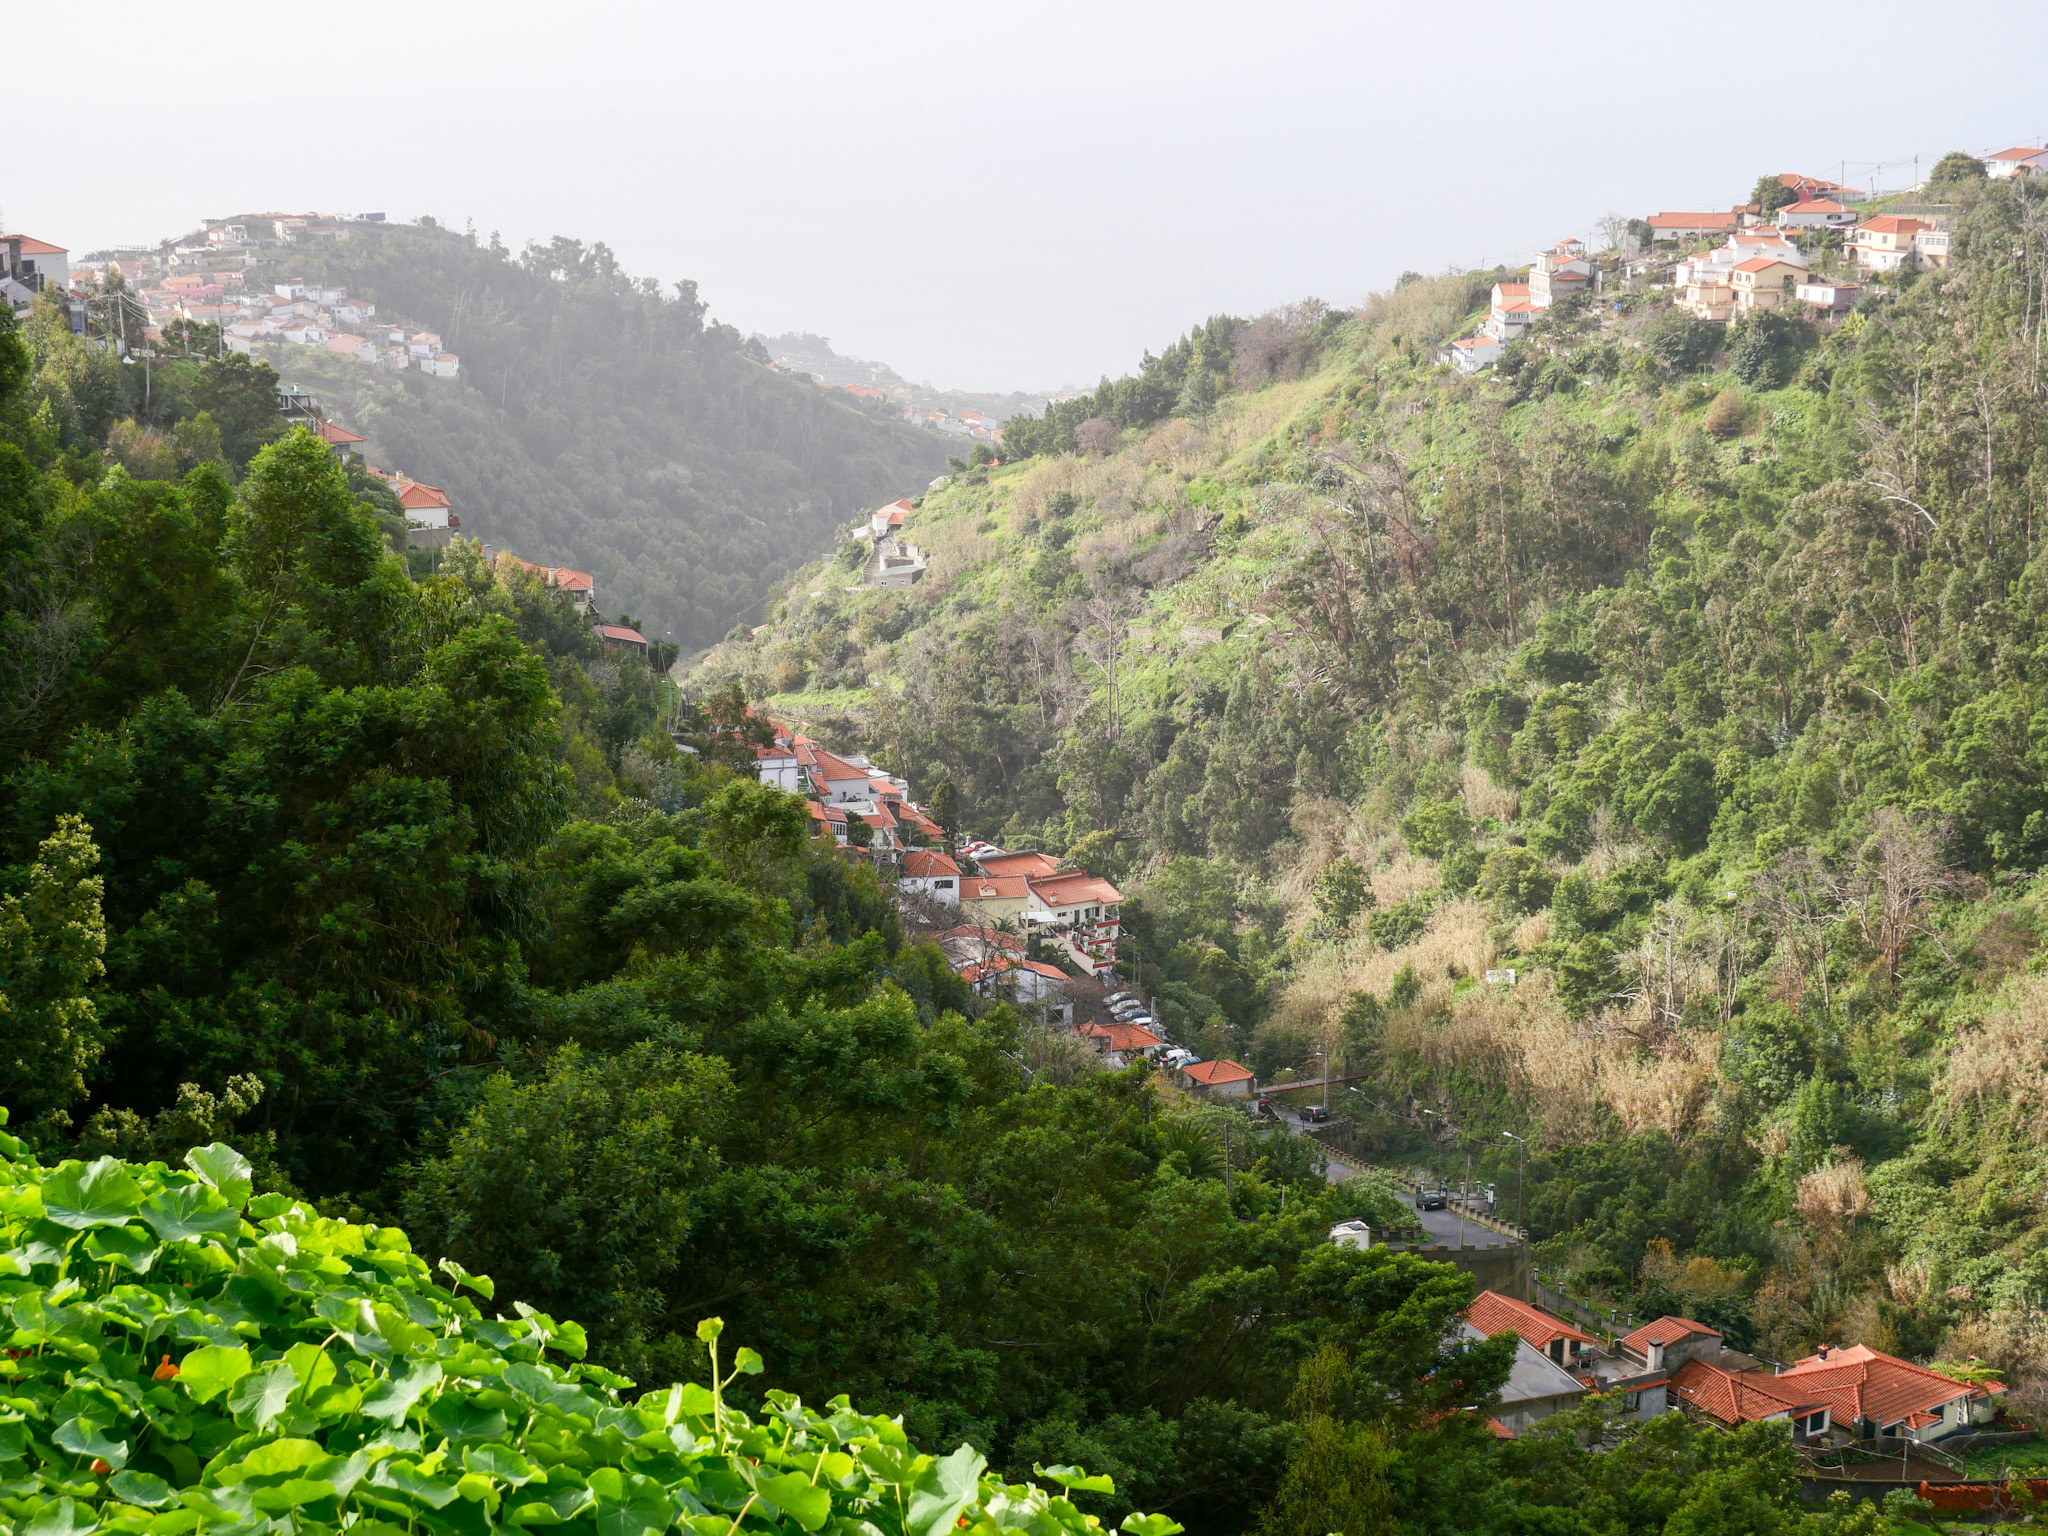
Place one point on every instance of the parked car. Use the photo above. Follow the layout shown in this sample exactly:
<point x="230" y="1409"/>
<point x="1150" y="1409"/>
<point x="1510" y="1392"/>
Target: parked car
<point x="1266" y="1110"/>
<point x="1313" y="1114"/>
<point x="1120" y="997"/>
<point x="1431" y="1197"/>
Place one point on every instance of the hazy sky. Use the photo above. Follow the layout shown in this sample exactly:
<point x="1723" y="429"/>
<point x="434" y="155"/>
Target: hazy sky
<point x="998" y="196"/>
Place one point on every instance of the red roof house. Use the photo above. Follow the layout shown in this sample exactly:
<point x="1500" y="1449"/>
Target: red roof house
<point x="1221" y="1077"/>
<point x="1492" y="1313"/>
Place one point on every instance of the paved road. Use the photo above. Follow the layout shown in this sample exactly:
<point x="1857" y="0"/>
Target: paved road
<point x="1445" y="1226"/>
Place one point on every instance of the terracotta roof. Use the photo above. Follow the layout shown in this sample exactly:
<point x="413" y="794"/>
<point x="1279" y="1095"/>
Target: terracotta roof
<point x="1512" y="290"/>
<point x="2016" y="154"/>
<point x="1665" y="1330"/>
<point x="923" y="864"/>
<point x="1816" y="205"/>
<point x="993" y="888"/>
<point x="1692" y="220"/>
<point x="1210" y="1073"/>
<point x="1117" y="1037"/>
<point x="31" y="246"/>
<point x="620" y="633"/>
<point x="1863" y="1383"/>
<point x="1074" y="890"/>
<point x="1759" y="264"/>
<point x="413" y="494"/>
<point x="1894" y="224"/>
<point x="1492" y="1313"/>
<point x="838" y="768"/>
<point x="1039" y="864"/>
<point x="334" y="434"/>
<point x="824" y="812"/>
<point x="1740" y="1397"/>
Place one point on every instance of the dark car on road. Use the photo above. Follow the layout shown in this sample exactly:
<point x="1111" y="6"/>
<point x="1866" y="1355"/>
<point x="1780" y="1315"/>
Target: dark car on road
<point x="1430" y="1197"/>
<point x="1313" y="1114"/>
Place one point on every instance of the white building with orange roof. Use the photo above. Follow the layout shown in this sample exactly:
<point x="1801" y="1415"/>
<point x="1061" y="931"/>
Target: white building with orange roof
<point x="2016" y="162"/>
<point x="886" y="522"/>
<point x="1079" y="914"/>
<point x="930" y="873"/>
<point x="1510" y="313"/>
<point x="1559" y="272"/>
<point x="1816" y="213"/>
<point x="1891" y="242"/>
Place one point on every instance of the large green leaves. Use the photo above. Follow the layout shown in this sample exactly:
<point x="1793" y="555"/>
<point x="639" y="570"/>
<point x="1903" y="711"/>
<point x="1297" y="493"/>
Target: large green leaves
<point x="211" y="1369"/>
<point x="189" y="1211"/>
<point x="299" y="1333"/>
<point x="96" y="1194"/>
<point x="225" y="1169"/>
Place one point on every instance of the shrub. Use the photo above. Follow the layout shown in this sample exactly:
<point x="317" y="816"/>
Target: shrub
<point x="187" y="1358"/>
<point x="1726" y="415"/>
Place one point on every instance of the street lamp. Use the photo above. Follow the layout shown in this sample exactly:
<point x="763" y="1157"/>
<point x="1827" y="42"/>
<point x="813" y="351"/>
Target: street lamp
<point x="1521" y="1199"/>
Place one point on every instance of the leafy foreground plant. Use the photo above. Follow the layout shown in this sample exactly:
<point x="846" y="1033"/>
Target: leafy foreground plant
<point x="185" y="1359"/>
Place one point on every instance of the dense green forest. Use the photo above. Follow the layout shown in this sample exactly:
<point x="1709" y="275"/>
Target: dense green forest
<point x="1694" y="673"/>
<point x="396" y="886"/>
<point x="604" y="422"/>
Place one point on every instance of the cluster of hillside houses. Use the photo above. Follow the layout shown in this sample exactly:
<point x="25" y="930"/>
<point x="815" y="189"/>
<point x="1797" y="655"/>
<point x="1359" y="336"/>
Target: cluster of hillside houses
<point x="1836" y="1395"/>
<point x="1758" y="263"/>
<point x="211" y="277"/>
<point x="1016" y="897"/>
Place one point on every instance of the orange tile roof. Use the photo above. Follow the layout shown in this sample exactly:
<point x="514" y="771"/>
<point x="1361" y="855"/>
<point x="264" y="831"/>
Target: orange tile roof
<point x="924" y="864"/>
<point x="837" y="768"/>
<point x="620" y="633"/>
<point x="2016" y="154"/>
<point x="334" y="434"/>
<point x="1223" y="1070"/>
<point x="1073" y="890"/>
<point x="1740" y="1397"/>
<point x="1119" y="1037"/>
<point x="31" y="246"/>
<point x="1665" y="1330"/>
<point x="1759" y="264"/>
<point x="1816" y="205"/>
<point x="992" y="888"/>
<point x="1894" y="224"/>
<point x="413" y="494"/>
<point x="1864" y="1383"/>
<point x="1039" y="864"/>
<point x="1492" y="1313"/>
<point x="1692" y="220"/>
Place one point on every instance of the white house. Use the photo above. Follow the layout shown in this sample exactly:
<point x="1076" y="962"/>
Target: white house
<point x="1510" y="312"/>
<point x="834" y="780"/>
<point x="1222" y="1078"/>
<point x="1080" y="913"/>
<point x="1819" y="213"/>
<point x="884" y="521"/>
<point x="2016" y="162"/>
<point x="1828" y="294"/>
<point x="778" y="768"/>
<point x="931" y="874"/>
<point x="1469" y="354"/>
<point x="35" y="263"/>
<point x="1558" y="272"/>
<point x="445" y="366"/>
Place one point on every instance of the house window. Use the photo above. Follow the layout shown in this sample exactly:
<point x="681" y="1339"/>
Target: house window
<point x="1813" y="1423"/>
<point x="1631" y="1401"/>
<point x="942" y="885"/>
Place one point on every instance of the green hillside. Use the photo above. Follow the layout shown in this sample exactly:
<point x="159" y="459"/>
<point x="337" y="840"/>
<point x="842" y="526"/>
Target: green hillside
<point x="603" y="422"/>
<point x="1692" y="673"/>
